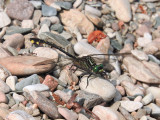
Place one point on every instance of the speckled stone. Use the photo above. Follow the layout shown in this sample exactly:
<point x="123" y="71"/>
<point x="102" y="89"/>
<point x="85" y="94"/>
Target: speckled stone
<point x="20" y="9"/>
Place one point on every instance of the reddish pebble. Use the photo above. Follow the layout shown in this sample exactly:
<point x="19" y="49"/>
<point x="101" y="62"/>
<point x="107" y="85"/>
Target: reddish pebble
<point x="24" y="102"/>
<point x="50" y="82"/>
<point x="121" y="90"/>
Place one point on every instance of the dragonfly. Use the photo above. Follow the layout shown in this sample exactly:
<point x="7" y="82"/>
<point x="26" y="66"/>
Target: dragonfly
<point x="85" y="63"/>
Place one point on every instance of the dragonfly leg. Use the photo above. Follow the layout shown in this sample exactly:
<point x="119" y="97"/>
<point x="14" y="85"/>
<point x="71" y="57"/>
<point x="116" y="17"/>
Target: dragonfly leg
<point x="88" y="79"/>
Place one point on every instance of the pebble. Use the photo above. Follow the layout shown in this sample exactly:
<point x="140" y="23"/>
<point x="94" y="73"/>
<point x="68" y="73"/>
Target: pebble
<point x="140" y="113"/>
<point x="122" y="9"/>
<point x="105" y="113"/>
<point x="98" y="86"/>
<point x="90" y="99"/>
<point x="82" y="117"/>
<point x="155" y="91"/>
<point x="44" y="28"/>
<point x="68" y="114"/>
<point x="16" y="41"/>
<point x="44" y="104"/>
<point x="77" y="3"/>
<point x="147" y="99"/>
<point x="92" y="10"/>
<point x="63" y="95"/>
<point x="83" y="48"/>
<point x="139" y="54"/>
<point x="36" y="4"/>
<point x="142" y="30"/>
<point x="121" y="90"/>
<point x="20" y="9"/>
<point x="155" y="109"/>
<point x="47" y="53"/>
<point x="5" y="20"/>
<point x="4" y="73"/>
<point x="4" y="112"/>
<point x="131" y="106"/>
<point x="131" y="89"/>
<point x="64" y="5"/>
<point x="34" y="65"/>
<point x="50" y="82"/>
<point x="70" y="19"/>
<point x="33" y="79"/>
<point x="17" y="97"/>
<point x="35" y="87"/>
<point x="4" y="87"/>
<point x="48" y="11"/>
<point x="11" y="82"/>
<point x="3" y="98"/>
<point x="15" y="29"/>
<point x="36" y="16"/>
<point x="27" y="24"/>
<point x="143" y="41"/>
<point x="19" y="115"/>
<point x="57" y="27"/>
<point x="135" y="67"/>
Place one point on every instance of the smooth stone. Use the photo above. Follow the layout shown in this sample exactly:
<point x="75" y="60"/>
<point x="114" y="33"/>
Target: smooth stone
<point x="19" y="115"/>
<point x="63" y="95"/>
<point x="46" y="52"/>
<point x="48" y="11"/>
<point x="4" y="105"/>
<point x="67" y="114"/>
<point x="57" y="7"/>
<point x="20" y="9"/>
<point x="36" y="87"/>
<point x="95" y="20"/>
<point x="70" y="19"/>
<point x="3" y="98"/>
<point x="66" y="35"/>
<point x="4" y="112"/>
<point x="15" y="40"/>
<point x="90" y="99"/>
<point x="44" y="104"/>
<point x="11" y="82"/>
<point x="155" y="91"/>
<point x="98" y="86"/>
<point x="27" y="24"/>
<point x="4" y="73"/>
<point x="36" y="16"/>
<point x="121" y="90"/>
<point x="15" y="29"/>
<point x="12" y="50"/>
<point x="118" y="96"/>
<point x="4" y="53"/>
<point x="138" y="99"/>
<point x="135" y="67"/>
<point x="116" y="44"/>
<point x="5" y="20"/>
<point x="64" y="5"/>
<point x="33" y="79"/>
<point x="122" y="78"/>
<point x="83" y="48"/>
<point x="4" y="87"/>
<point x="27" y="65"/>
<point x="44" y="28"/>
<point x="157" y="101"/>
<point x="126" y="114"/>
<point x="53" y="19"/>
<point x="142" y="30"/>
<point x="77" y="3"/>
<point x="82" y="117"/>
<point x="147" y="99"/>
<point x="57" y="27"/>
<point x="143" y="41"/>
<point x="18" y="97"/>
<point x="153" y="67"/>
<point x="131" y="89"/>
<point x="140" y="113"/>
<point x="105" y="113"/>
<point x="152" y="47"/>
<point x="155" y="109"/>
<point x="92" y="10"/>
<point x="147" y="118"/>
<point x="131" y="106"/>
<point x="55" y="39"/>
<point x="45" y="21"/>
<point x="122" y="9"/>
<point x="36" y="4"/>
<point x="50" y="82"/>
<point x="139" y="54"/>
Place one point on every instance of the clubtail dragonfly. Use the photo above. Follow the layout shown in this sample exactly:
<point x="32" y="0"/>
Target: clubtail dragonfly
<point x="85" y="63"/>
